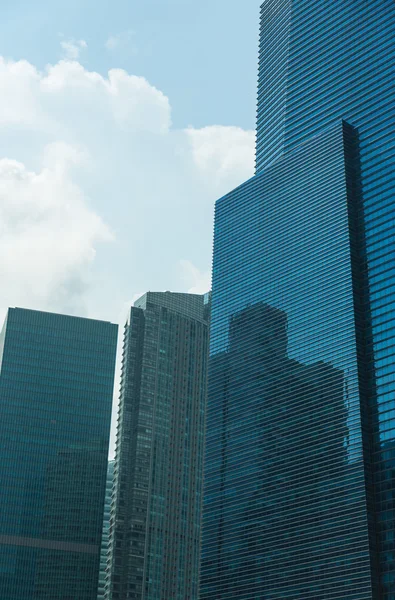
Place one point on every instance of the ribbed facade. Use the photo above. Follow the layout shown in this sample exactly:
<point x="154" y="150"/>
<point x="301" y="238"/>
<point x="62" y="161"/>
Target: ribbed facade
<point x="155" y="520"/>
<point x="303" y="330"/>
<point x="273" y="81"/>
<point x="285" y="513"/>
<point x="56" y="388"/>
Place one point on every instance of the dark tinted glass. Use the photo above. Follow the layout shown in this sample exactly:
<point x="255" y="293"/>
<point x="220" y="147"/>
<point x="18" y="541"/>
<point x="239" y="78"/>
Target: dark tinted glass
<point x="56" y="384"/>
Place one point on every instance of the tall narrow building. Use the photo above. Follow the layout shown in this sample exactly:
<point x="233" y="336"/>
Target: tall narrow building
<point x="106" y="531"/>
<point x="56" y="387"/>
<point x="156" y="512"/>
<point x="299" y="499"/>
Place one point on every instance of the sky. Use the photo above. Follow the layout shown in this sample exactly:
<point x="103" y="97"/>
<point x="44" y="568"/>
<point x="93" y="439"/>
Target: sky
<point x="121" y="123"/>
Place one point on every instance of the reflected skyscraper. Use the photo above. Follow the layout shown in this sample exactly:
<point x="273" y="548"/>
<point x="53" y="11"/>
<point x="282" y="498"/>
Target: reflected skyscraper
<point x="299" y="486"/>
<point x="283" y="428"/>
<point x="155" y="518"/>
<point x="56" y="384"/>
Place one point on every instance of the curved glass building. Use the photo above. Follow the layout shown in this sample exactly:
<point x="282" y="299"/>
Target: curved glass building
<point x="300" y="483"/>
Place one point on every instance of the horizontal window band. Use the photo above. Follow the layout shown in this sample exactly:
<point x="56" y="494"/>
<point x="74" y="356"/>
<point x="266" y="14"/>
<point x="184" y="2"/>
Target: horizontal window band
<point x="26" y="542"/>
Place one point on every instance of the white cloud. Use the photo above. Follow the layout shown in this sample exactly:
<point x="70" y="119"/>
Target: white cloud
<point x="49" y="223"/>
<point x="72" y="48"/>
<point x="112" y="42"/>
<point x="88" y="158"/>
<point x="197" y="281"/>
<point x="86" y="153"/>
<point x="122" y="39"/>
<point x="48" y="235"/>
<point x="19" y="82"/>
<point x="66" y="96"/>
<point x="223" y="153"/>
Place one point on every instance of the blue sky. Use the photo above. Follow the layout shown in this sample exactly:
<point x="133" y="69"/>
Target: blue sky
<point x="121" y="123"/>
<point x="202" y="54"/>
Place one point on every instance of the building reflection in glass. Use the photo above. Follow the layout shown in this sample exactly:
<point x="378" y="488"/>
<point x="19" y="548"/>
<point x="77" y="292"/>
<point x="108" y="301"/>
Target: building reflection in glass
<point x="282" y="502"/>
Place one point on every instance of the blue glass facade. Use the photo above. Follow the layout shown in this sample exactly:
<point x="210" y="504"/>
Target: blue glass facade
<point x="300" y="484"/>
<point x="56" y="383"/>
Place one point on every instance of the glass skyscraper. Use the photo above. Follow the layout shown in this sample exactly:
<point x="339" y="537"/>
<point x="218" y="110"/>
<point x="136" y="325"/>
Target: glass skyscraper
<point x="299" y="496"/>
<point x="106" y="531"/>
<point x="56" y="385"/>
<point x="155" y="519"/>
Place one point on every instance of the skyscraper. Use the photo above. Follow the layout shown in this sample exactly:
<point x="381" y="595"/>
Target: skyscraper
<point x="56" y="384"/>
<point x="106" y="531"/>
<point x="299" y="496"/>
<point x="156" y="513"/>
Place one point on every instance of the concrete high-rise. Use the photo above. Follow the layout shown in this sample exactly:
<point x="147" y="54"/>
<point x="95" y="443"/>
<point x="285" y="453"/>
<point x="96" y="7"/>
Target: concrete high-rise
<point x="56" y="387"/>
<point x="156" y="513"/>
<point x="106" y="530"/>
<point x="299" y="496"/>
